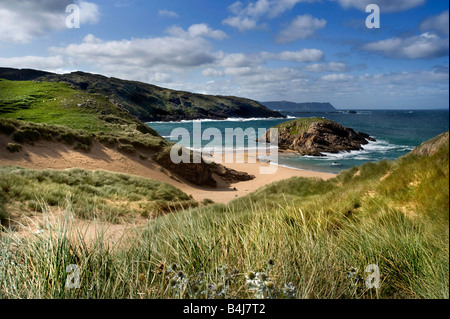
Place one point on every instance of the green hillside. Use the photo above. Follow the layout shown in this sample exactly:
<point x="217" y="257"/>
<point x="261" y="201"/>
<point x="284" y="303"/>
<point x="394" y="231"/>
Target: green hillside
<point x="31" y="111"/>
<point x="57" y="103"/>
<point x="148" y="102"/>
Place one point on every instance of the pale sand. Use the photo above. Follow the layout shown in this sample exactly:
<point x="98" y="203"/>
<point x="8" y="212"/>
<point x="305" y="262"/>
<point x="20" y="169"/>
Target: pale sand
<point x="55" y="222"/>
<point x="49" y="155"/>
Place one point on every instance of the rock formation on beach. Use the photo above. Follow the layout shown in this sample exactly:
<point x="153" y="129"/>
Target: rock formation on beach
<point x="315" y="136"/>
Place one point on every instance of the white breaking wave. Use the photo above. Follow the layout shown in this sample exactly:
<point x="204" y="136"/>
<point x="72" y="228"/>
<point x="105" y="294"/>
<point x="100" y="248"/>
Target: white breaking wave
<point x="371" y="149"/>
<point x="231" y="119"/>
<point x="233" y="149"/>
<point x="379" y="146"/>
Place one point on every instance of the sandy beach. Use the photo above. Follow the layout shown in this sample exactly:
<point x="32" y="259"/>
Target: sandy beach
<point x="49" y="155"/>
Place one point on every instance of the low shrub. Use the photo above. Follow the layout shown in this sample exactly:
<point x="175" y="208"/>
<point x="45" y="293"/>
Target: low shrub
<point x="126" y="148"/>
<point x="207" y="202"/>
<point x="107" y="140"/>
<point x="3" y="213"/>
<point x="82" y="147"/>
<point x="6" y="127"/>
<point x="14" y="148"/>
<point x="27" y="135"/>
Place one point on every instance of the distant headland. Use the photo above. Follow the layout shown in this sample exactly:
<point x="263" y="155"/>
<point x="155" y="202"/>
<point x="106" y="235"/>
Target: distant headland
<point x="299" y="107"/>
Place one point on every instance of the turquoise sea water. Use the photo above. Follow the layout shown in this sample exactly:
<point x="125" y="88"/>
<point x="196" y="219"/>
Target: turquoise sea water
<point x="397" y="133"/>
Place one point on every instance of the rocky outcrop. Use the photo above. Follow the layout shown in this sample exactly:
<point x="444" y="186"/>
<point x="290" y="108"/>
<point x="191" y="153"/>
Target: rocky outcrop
<point x="430" y="147"/>
<point x="200" y="174"/>
<point x="317" y="136"/>
<point x="196" y="173"/>
<point x="230" y="175"/>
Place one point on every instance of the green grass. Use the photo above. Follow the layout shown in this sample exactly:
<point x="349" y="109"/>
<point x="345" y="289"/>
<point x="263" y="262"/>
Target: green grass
<point x="315" y="230"/>
<point x="100" y="194"/>
<point x="300" y="125"/>
<point x="58" y="104"/>
<point x="28" y="132"/>
<point x="309" y="233"/>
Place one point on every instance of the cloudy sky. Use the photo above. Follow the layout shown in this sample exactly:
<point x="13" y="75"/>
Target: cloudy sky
<point x="297" y="50"/>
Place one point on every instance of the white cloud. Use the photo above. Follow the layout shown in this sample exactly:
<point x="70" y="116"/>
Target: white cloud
<point x="327" y="67"/>
<point x="301" y="27"/>
<point x="145" y="52"/>
<point x="152" y="59"/>
<point x="386" y="6"/>
<point x="425" y="46"/>
<point x="241" y="71"/>
<point x="168" y="13"/>
<point x="197" y="30"/>
<point x="242" y="23"/>
<point x="35" y="62"/>
<point x="238" y="59"/>
<point x="305" y="55"/>
<point x="280" y="6"/>
<point x="89" y="13"/>
<point x="247" y="17"/>
<point x="38" y="17"/>
<point x="337" y="77"/>
<point x="159" y="77"/>
<point x="210" y="72"/>
<point x="437" y="24"/>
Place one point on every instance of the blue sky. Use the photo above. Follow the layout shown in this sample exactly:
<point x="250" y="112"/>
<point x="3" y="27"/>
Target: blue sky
<point x="296" y="50"/>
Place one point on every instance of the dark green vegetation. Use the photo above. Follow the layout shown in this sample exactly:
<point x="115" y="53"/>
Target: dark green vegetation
<point x="299" y="107"/>
<point x="108" y="196"/>
<point x="13" y="147"/>
<point x="318" y="235"/>
<point x="148" y="102"/>
<point x="300" y="125"/>
<point x="26" y="132"/>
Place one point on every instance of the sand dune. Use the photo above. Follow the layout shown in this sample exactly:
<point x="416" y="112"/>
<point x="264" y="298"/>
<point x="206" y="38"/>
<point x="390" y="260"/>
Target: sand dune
<point x="50" y="155"/>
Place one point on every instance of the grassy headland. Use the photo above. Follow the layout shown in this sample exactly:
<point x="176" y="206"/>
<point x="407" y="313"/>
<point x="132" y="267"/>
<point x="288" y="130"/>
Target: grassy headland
<point x="58" y="104"/>
<point x="40" y="110"/>
<point x="149" y="102"/>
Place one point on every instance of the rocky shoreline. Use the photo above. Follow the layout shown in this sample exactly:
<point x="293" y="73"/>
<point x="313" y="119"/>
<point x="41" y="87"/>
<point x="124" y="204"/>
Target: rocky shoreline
<point x="315" y="136"/>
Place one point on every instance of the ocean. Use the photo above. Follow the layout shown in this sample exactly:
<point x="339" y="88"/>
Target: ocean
<point x="397" y="133"/>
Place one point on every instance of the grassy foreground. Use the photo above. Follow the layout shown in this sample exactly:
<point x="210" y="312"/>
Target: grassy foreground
<point x="103" y="195"/>
<point x="298" y="238"/>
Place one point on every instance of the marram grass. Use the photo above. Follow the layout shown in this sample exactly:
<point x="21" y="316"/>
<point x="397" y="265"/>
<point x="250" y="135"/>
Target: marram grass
<point x="299" y="238"/>
<point x="211" y="257"/>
